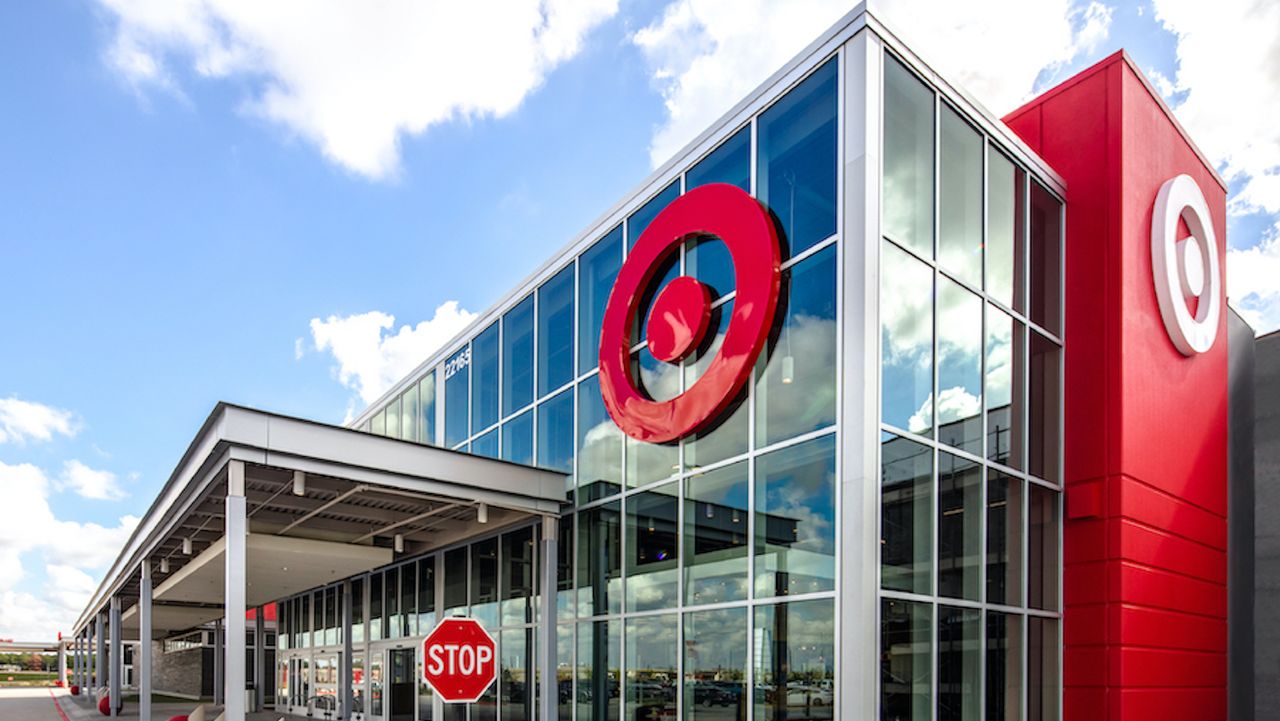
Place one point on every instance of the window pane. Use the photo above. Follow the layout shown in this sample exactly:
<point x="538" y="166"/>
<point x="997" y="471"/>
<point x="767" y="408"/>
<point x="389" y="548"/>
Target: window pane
<point x="409" y="414"/>
<point x="484" y="386"/>
<point x="1004" y="539"/>
<point x="426" y="594"/>
<point x="391" y="608"/>
<point x="795" y="519"/>
<point x="517" y="439"/>
<point x="515" y="692"/>
<point x="796" y="390"/>
<point x="1006" y="378"/>
<point x="1005" y="241"/>
<point x="908" y="159"/>
<point x="378" y="425"/>
<point x="597" y="269"/>
<point x="393" y="419"/>
<point x="729" y="163"/>
<point x="960" y="198"/>
<point x="555" y="433"/>
<point x="1044" y="403"/>
<point x="652" y="549"/>
<point x="427" y="403"/>
<point x="906" y="329"/>
<point x="1042" y="669"/>
<point x="484" y="582"/>
<point x="1004" y="667"/>
<point x="906" y="635"/>
<point x="794" y="648"/>
<point x="649" y="462"/>
<point x="959" y="366"/>
<point x="375" y="607"/>
<point x="564" y="672"/>
<point x="715" y="540"/>
<point x="357" y="611"/>
<point x="728" y="436"/>
<point x="486" y="445"/>
<point x="959" y="664"/>
<point x="1046" y="258"/>
<point x="599" y="445"/>
<point x="959" y="527"/>
<point x="555" y="332"/>
<point x="651" y="667"/>
<point x="906" y="511"/>
<point x="565" y="605"/>
<point x="644" y="215"/>
<point x="715" y="664"/>
<point x="1042" y="548"/>
<point x="708" y="260"/>
<point x="409" y="599"/>
<point x="457" y="373"/>
<point x="517" y="577"/>
<point x="636" y="224"/>
<point x="599" y="670"/>
<point x="517" y="357"/>
<point x="455" y="582"/>
<point x="797" y="160"/>
<point x="599" y="561"/>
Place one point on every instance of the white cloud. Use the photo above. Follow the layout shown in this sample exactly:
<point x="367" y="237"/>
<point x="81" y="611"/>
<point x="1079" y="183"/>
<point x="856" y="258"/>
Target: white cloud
<point x="706" y="55"/>
<point x="371" y="360"/>
<point x="21" y="421"/>
<point x="90" y="482"/>
<point x="355" y="78"/>
<point x="1253" y="282"/>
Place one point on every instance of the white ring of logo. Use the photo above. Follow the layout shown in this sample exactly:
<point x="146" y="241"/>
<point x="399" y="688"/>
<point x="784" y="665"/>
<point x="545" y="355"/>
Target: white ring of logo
<point x="1181" y="273"/>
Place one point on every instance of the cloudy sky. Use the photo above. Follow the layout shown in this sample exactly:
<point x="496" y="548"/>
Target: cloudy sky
<point x="289" y="204"/>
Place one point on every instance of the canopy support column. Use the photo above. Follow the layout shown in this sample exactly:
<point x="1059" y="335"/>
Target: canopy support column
<point x="100" y="653"/>
<point x="259" y="659"/>
<point x="144" y="643"/>
<point x="344" y="663"/>
<point x="237" y="526"/>
<point x="547" y="629"/>
<point x="115" y="657"/>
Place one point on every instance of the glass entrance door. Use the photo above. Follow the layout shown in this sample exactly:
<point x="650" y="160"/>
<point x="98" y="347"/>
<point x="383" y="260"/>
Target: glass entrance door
<point x="402" y="700"/>
<point x="325" y="701"/>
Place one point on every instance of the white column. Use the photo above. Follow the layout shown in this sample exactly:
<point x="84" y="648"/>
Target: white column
<point x="62" y="663"/>
<point x="234" y="598"/>
<point x="344" y="664"/>
<point x="100" y="653"/>
<point x="144" y="643"/>
<point x="546" y="629"/>
<point x="259" y="659"/>
<point x="116" y="658"/>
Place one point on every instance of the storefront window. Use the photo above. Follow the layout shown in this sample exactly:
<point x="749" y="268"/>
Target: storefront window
<point x="555" y="332"/>
<point x="457" y="376"/>
<point x="906" y="511"/>
<point x="960" y="197"/>
<point x="959" y="366"/>
<point x="484" y="385"/>
<point x="728" y="436"/>
<point x="357" y="611"/>
<point x="599" y="561"/>
<point x="517" y="357"/>
<point x="427" y="406"/>
<point x="959" y="664"/>
<point x="517" y="439"/>
<point x="393" y="418"/>
<point x="906" y="345"/>
<point x="796" y="390"/>
<point x="715" y="535"/>
<point x="484" y="582"/>
<point x="564" y="672"/>
<point x="516" y="580"/>
<point x="515" y="690"/>
<point x="599" y="445"/>
<point x="649" y="462"/>
<point x="908" y="159"/>
<point x="1046" y="259"/>
<point x="409" y="414"/>
<point x="1006" y="377"/>
<point x="599" y="670"/>
<point x="426" y="594"/>
<point x="375" y="607"/>
<point x="409" y="600"/>
<point x="669" y="269"/>
<point x="715" y="664"/>
<point x="906" y="685"/>
<point x="566" y="607"/>
<point x="959" y="527"/>
<point x="795" y="493"/>
<point x="455" y="582"/>
<point x="1004" y="539"/>
<point x="652" y="549"/>
<point x="1004" y="666"/>
<point x="597" y="269"/>
<point x="555" y="433"/>
<point x="729" y="163"/>
<point x="391" y="619"/>
<point x="650" y="687"/>
<point x="1042" y="548"/>
<point x="486" y="445"/>
<point x="797" y="158"/>
<point x="1043" y="674"/>
<point x="795" y="648"/>
<point x="1005" y="236"/>
<point x="1044" y="404"/>
<point x="378" y="424"/>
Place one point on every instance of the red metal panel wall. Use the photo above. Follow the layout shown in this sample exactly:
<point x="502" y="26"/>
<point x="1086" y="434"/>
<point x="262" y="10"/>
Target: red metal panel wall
<point x="1145" y="623"/>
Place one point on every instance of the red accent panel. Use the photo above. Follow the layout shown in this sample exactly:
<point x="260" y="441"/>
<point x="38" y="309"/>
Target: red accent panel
<point x="1146" y="427"/>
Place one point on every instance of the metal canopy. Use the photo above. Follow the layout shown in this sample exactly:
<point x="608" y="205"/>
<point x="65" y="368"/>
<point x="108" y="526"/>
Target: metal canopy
<point x="357" y="492"/>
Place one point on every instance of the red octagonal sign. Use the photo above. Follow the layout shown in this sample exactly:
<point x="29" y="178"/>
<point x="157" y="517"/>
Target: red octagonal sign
<point x="459" y="660"/>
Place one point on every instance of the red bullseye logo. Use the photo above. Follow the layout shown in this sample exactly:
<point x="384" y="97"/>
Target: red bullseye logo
<point x="681" y="313"/>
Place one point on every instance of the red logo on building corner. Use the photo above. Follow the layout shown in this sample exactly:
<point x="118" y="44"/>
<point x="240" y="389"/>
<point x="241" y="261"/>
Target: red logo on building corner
<point x="681" y="313"/>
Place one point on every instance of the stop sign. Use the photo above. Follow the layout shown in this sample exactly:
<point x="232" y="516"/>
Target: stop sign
<point x="459" y="660"/>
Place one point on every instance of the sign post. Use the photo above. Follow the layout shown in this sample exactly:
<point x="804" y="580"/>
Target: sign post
<point x="459" y="660"/>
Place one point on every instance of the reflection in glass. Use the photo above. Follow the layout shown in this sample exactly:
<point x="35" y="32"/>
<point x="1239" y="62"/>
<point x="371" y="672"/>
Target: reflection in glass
<point x="378" y="424"/>
<point x="715" y="665"/>
<point x="959" y="527"/>
<point x="906" y="346"/>
<point x="516" y="582"/>
<point x="728" y="437"/>
<point x="650" y="687"/>
<point x="1046" y="258"/>
<point x="729" y="163"/>
<point x="794" y="647"/>
<point x="908" y="159"/>
<point x="1042" y="669"/>
<point x="375" y="607"/>
<point x="566" y="605"/>
<point x="906" y="631"/>
<point x="484" y="582"/>
<point x="391" y="618"/>
<point x="599" y="445"/>
<point x="796" y="389"/>
<point x="555" y="433"/>
<point x="959" y="664"/>
<point x="652" y="549"/>
<point x="455" y="582"/>
<point x="1004" y="539"/>
<point x="357" y="611"/>
<point x="1044" y="402"/>
<point x="409" y="599"/>
<point x="599" y="670"/>
<point x="484" y="387"/>
<point x="393" y="418"/>
<point x="638" y="221"/>
<point x="515" y="687"/>
<point x="649" y="462"/>
<point x="795" y="519"/>
<point x="486" y="445"/>
<point x="797" y="153"/>
<point x="597" y="269"/>
<point x="555" y="332"/>
<point x="708" y="259"/>
<point x="426" y="594"/>
<point x="1006" y="378"/>
<point x="427" y="405"/>
<point x="599" y="561"/>
<point x="1042" y="548"/>
<point x="715" y="535"/>
<point x="1005" y="243"/>
<point x="564" y="672"/>
<point x="409" y="414"/>
<point x="1004" y="667"/>
<point x="517" y="357"/>
<point x="960" y="197"/>
<point x="959" y="366"/>
<point x="906" y="511"/>
<point x="517" y="439"/>
<point x="426" y="696"/>
<point x="457" y="373"/>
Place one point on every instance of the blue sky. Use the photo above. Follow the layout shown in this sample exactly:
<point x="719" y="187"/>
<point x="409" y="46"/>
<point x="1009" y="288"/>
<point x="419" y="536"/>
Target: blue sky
<point x="199" y="203"/>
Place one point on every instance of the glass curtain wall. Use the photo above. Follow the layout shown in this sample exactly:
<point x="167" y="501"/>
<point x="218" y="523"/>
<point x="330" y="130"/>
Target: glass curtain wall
<point x="970" y="435"/>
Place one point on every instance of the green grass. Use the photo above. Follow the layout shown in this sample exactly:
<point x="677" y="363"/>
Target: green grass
<point x="27" y="678"/>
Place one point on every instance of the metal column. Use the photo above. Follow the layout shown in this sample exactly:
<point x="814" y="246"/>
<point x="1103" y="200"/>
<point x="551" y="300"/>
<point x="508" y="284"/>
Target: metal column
<point x="259" y="659"/>
<point x="219" y="664"/>
<point x="116" y="658"/>
<point x="144" y="643"/>
<point x="62" y="663"/>
<point x="344" y="663"/>
<point x="236" y="531"/>
<point x="547" y="629"/>
<point x="100" y="652"/>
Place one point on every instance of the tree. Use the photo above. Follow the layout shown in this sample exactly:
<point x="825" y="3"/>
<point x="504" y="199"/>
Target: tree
<point x="35" y="662"/>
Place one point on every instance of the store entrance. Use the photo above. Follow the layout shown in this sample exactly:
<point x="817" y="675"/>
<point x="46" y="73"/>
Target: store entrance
<point x="402" y="700"/>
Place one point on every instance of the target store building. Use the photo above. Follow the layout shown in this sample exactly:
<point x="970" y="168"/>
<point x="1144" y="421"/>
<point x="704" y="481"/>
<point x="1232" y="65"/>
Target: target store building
<point x="867" y="405"/>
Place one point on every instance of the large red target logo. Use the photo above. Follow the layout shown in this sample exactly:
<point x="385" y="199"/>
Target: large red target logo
<point x="681" y="313"/>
